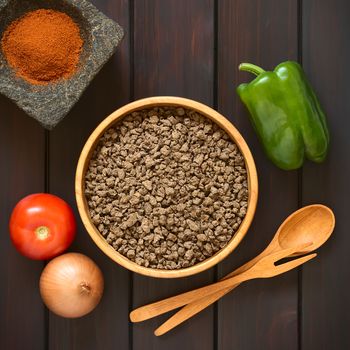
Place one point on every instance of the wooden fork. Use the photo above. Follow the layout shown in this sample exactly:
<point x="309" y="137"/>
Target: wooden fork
<point x="264" y="268"/>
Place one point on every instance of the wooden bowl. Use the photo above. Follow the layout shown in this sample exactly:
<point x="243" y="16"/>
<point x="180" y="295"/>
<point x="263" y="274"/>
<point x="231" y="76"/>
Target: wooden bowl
<point x="148" y="103"/>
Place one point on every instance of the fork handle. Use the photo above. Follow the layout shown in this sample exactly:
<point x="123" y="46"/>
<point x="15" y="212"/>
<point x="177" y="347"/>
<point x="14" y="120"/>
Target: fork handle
<point x="191" y="309"/>
<point x="160" y="307"/>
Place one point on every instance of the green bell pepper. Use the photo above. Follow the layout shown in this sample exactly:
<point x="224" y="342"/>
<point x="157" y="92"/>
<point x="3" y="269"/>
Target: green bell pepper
<point x="285" y="114"/>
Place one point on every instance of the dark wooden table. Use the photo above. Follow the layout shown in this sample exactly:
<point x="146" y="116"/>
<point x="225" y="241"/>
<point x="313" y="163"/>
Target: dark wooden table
<point x="192" y="48"/>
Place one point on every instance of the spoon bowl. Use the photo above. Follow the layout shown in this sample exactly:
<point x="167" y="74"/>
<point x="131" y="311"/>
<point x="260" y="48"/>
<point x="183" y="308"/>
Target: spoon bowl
<point x="312" y="224"/>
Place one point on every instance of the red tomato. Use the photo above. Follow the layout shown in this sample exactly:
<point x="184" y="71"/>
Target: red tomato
<point x="42" y="226"/>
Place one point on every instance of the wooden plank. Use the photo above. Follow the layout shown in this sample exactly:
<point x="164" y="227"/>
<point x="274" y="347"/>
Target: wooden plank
<point x="173" y="55"/>
<point x="107" y="326"/>
<point x="326" y="53"/>
<point x="261" y="314"/>
<point x="22" y="155"/>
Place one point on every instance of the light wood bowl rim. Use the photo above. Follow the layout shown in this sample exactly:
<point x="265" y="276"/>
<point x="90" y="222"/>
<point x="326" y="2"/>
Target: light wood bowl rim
<point x="165" y="101"/>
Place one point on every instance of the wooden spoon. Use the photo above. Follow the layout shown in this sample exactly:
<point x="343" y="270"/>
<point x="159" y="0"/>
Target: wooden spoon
<point x="313" y="223"/>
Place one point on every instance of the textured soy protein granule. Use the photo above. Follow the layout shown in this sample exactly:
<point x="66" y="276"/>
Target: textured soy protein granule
<point x="43" y="46"/>
<point x="166" y="187"/>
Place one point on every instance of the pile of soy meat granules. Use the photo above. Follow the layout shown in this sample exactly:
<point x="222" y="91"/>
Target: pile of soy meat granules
<point x="166" y="187"/>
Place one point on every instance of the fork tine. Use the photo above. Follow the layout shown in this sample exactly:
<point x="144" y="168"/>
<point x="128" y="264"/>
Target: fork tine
<point x="286" y="252"/>
<point x="277" y="270"/>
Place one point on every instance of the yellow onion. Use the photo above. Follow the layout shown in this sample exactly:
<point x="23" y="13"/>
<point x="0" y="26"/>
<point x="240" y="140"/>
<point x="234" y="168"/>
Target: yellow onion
<point x="71" y="285"/>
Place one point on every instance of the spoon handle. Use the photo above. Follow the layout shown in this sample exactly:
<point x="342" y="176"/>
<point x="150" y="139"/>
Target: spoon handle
<point x="255" y="272"/>
<point x="142" y="313"/>
<point x="160" y="307"/>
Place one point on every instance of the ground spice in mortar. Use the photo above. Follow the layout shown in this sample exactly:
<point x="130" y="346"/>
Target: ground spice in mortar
<point x="167" y="187"/>
<point x="43" y="46"/>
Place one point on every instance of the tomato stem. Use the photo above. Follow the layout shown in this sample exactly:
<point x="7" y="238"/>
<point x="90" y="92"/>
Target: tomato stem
<point x="42" y="232"/>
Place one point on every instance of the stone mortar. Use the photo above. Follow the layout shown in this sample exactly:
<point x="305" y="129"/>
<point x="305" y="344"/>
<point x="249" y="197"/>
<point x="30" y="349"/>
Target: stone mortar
<point x="50" y="103"/>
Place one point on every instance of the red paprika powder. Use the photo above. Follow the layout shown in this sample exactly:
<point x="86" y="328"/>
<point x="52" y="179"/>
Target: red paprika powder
<point x="43" y="46"/>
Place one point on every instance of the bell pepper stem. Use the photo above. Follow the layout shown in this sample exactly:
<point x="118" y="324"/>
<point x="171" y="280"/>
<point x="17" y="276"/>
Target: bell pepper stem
<point x="252" y="68"/>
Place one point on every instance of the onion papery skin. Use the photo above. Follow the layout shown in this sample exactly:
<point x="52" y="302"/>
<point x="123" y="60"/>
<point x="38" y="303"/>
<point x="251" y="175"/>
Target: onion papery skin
<point x="71" y="285"/>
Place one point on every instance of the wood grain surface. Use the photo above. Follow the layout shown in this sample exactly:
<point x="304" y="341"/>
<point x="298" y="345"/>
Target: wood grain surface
<point x="249" y="32"/>
<point x="22" y="155"/>
<point x="325" y="283"/>
<point x="192" y="48"/>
